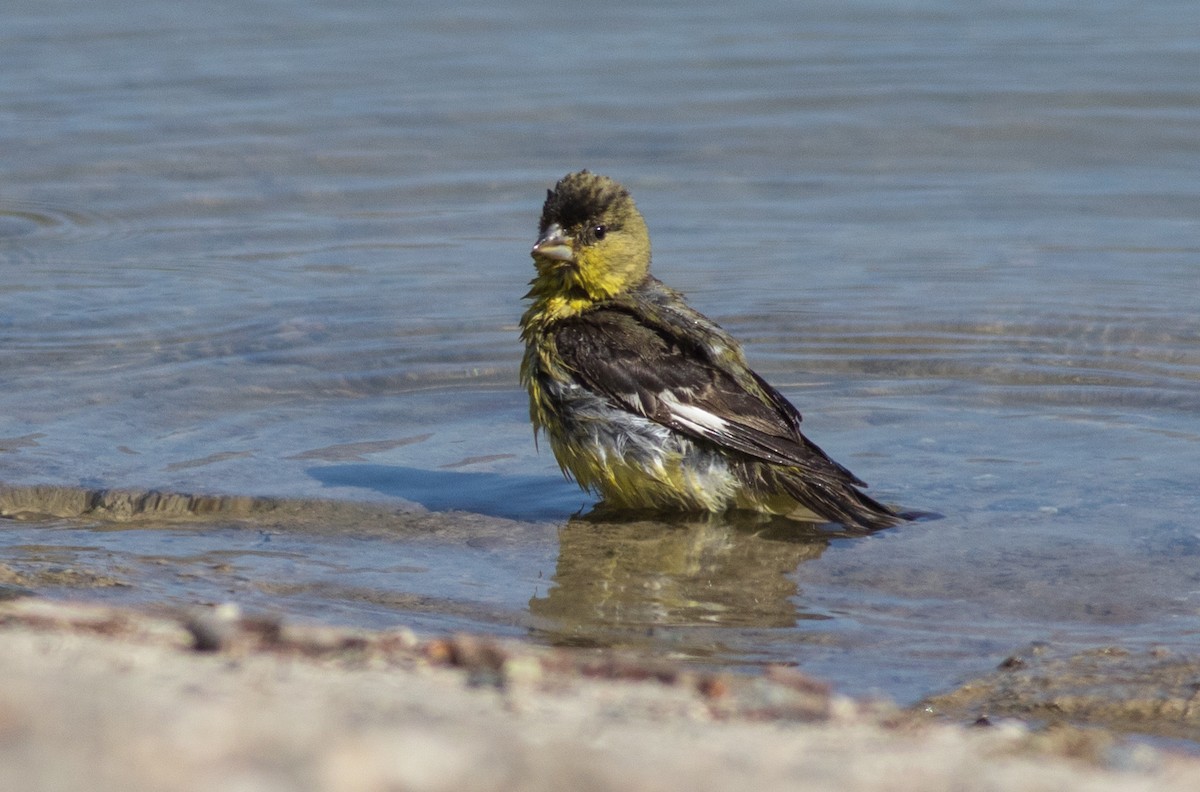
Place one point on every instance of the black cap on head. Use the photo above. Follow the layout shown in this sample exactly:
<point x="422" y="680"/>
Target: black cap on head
<point x="580" y="198"/>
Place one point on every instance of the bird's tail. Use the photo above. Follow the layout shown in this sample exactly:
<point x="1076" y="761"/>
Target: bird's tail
<point x="838" y="500"/>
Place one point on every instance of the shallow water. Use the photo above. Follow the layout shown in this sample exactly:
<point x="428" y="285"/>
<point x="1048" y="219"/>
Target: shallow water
<point x="278" y="249"/>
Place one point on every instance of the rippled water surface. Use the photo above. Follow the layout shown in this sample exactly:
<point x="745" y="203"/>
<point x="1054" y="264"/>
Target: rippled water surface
<point x="277" y="250"/>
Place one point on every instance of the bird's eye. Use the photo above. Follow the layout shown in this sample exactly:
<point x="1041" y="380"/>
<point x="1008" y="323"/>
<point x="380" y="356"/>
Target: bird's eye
<point x="599" y="231"/>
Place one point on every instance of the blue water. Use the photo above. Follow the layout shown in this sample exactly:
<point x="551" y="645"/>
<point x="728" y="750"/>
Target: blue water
<point x="278" y="249"/>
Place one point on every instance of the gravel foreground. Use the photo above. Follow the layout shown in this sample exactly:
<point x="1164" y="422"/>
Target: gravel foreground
<point x="99" y="698"/>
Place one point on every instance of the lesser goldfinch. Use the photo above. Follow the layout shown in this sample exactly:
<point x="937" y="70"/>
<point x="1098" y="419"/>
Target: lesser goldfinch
<point x="648" y="402"/>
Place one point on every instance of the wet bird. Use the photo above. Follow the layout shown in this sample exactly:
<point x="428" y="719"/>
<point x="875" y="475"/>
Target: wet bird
<point x="647" y="402"/>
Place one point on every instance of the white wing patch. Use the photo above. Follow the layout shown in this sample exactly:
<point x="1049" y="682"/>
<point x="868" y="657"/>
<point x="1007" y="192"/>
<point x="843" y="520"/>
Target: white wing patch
<point x="695" y="418"/>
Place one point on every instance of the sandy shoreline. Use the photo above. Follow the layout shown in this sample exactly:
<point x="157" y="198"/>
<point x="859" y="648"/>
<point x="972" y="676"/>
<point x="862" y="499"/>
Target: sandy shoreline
<point x="100" y="698"/>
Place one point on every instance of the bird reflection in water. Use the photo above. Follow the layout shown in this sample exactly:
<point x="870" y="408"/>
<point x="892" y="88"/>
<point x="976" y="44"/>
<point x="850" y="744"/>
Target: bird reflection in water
<point x="617" y="581"/>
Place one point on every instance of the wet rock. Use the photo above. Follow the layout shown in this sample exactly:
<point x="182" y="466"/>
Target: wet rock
<point x="1148" y="691"/>
<point x="48" y="501"/>
<point x="55" y="576"/>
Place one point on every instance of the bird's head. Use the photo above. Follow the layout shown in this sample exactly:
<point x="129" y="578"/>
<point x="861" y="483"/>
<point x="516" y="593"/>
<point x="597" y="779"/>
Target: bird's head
<point x="592" y="240"/>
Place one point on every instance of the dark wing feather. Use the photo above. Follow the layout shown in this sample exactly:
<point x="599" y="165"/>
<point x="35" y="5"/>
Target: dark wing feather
<point x="651" y="371"/>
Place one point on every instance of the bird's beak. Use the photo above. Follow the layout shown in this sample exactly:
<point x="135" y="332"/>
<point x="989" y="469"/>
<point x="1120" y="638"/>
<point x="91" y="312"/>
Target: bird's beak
<point x="554" y="245"/>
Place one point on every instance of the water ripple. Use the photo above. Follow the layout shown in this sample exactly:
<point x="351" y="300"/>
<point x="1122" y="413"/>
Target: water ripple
<point x="22" y="219"/>
<point x="1128" y="361"/>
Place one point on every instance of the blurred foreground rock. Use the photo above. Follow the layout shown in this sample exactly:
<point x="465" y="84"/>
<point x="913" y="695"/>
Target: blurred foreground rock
<point x="96" y="698"/>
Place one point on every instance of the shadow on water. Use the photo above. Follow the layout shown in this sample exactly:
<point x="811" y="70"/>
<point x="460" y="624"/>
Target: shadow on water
<point x="498" y="495"/>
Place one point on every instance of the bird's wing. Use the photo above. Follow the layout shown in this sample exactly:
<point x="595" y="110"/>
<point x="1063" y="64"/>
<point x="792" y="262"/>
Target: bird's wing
<point x="651" y="370"/>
